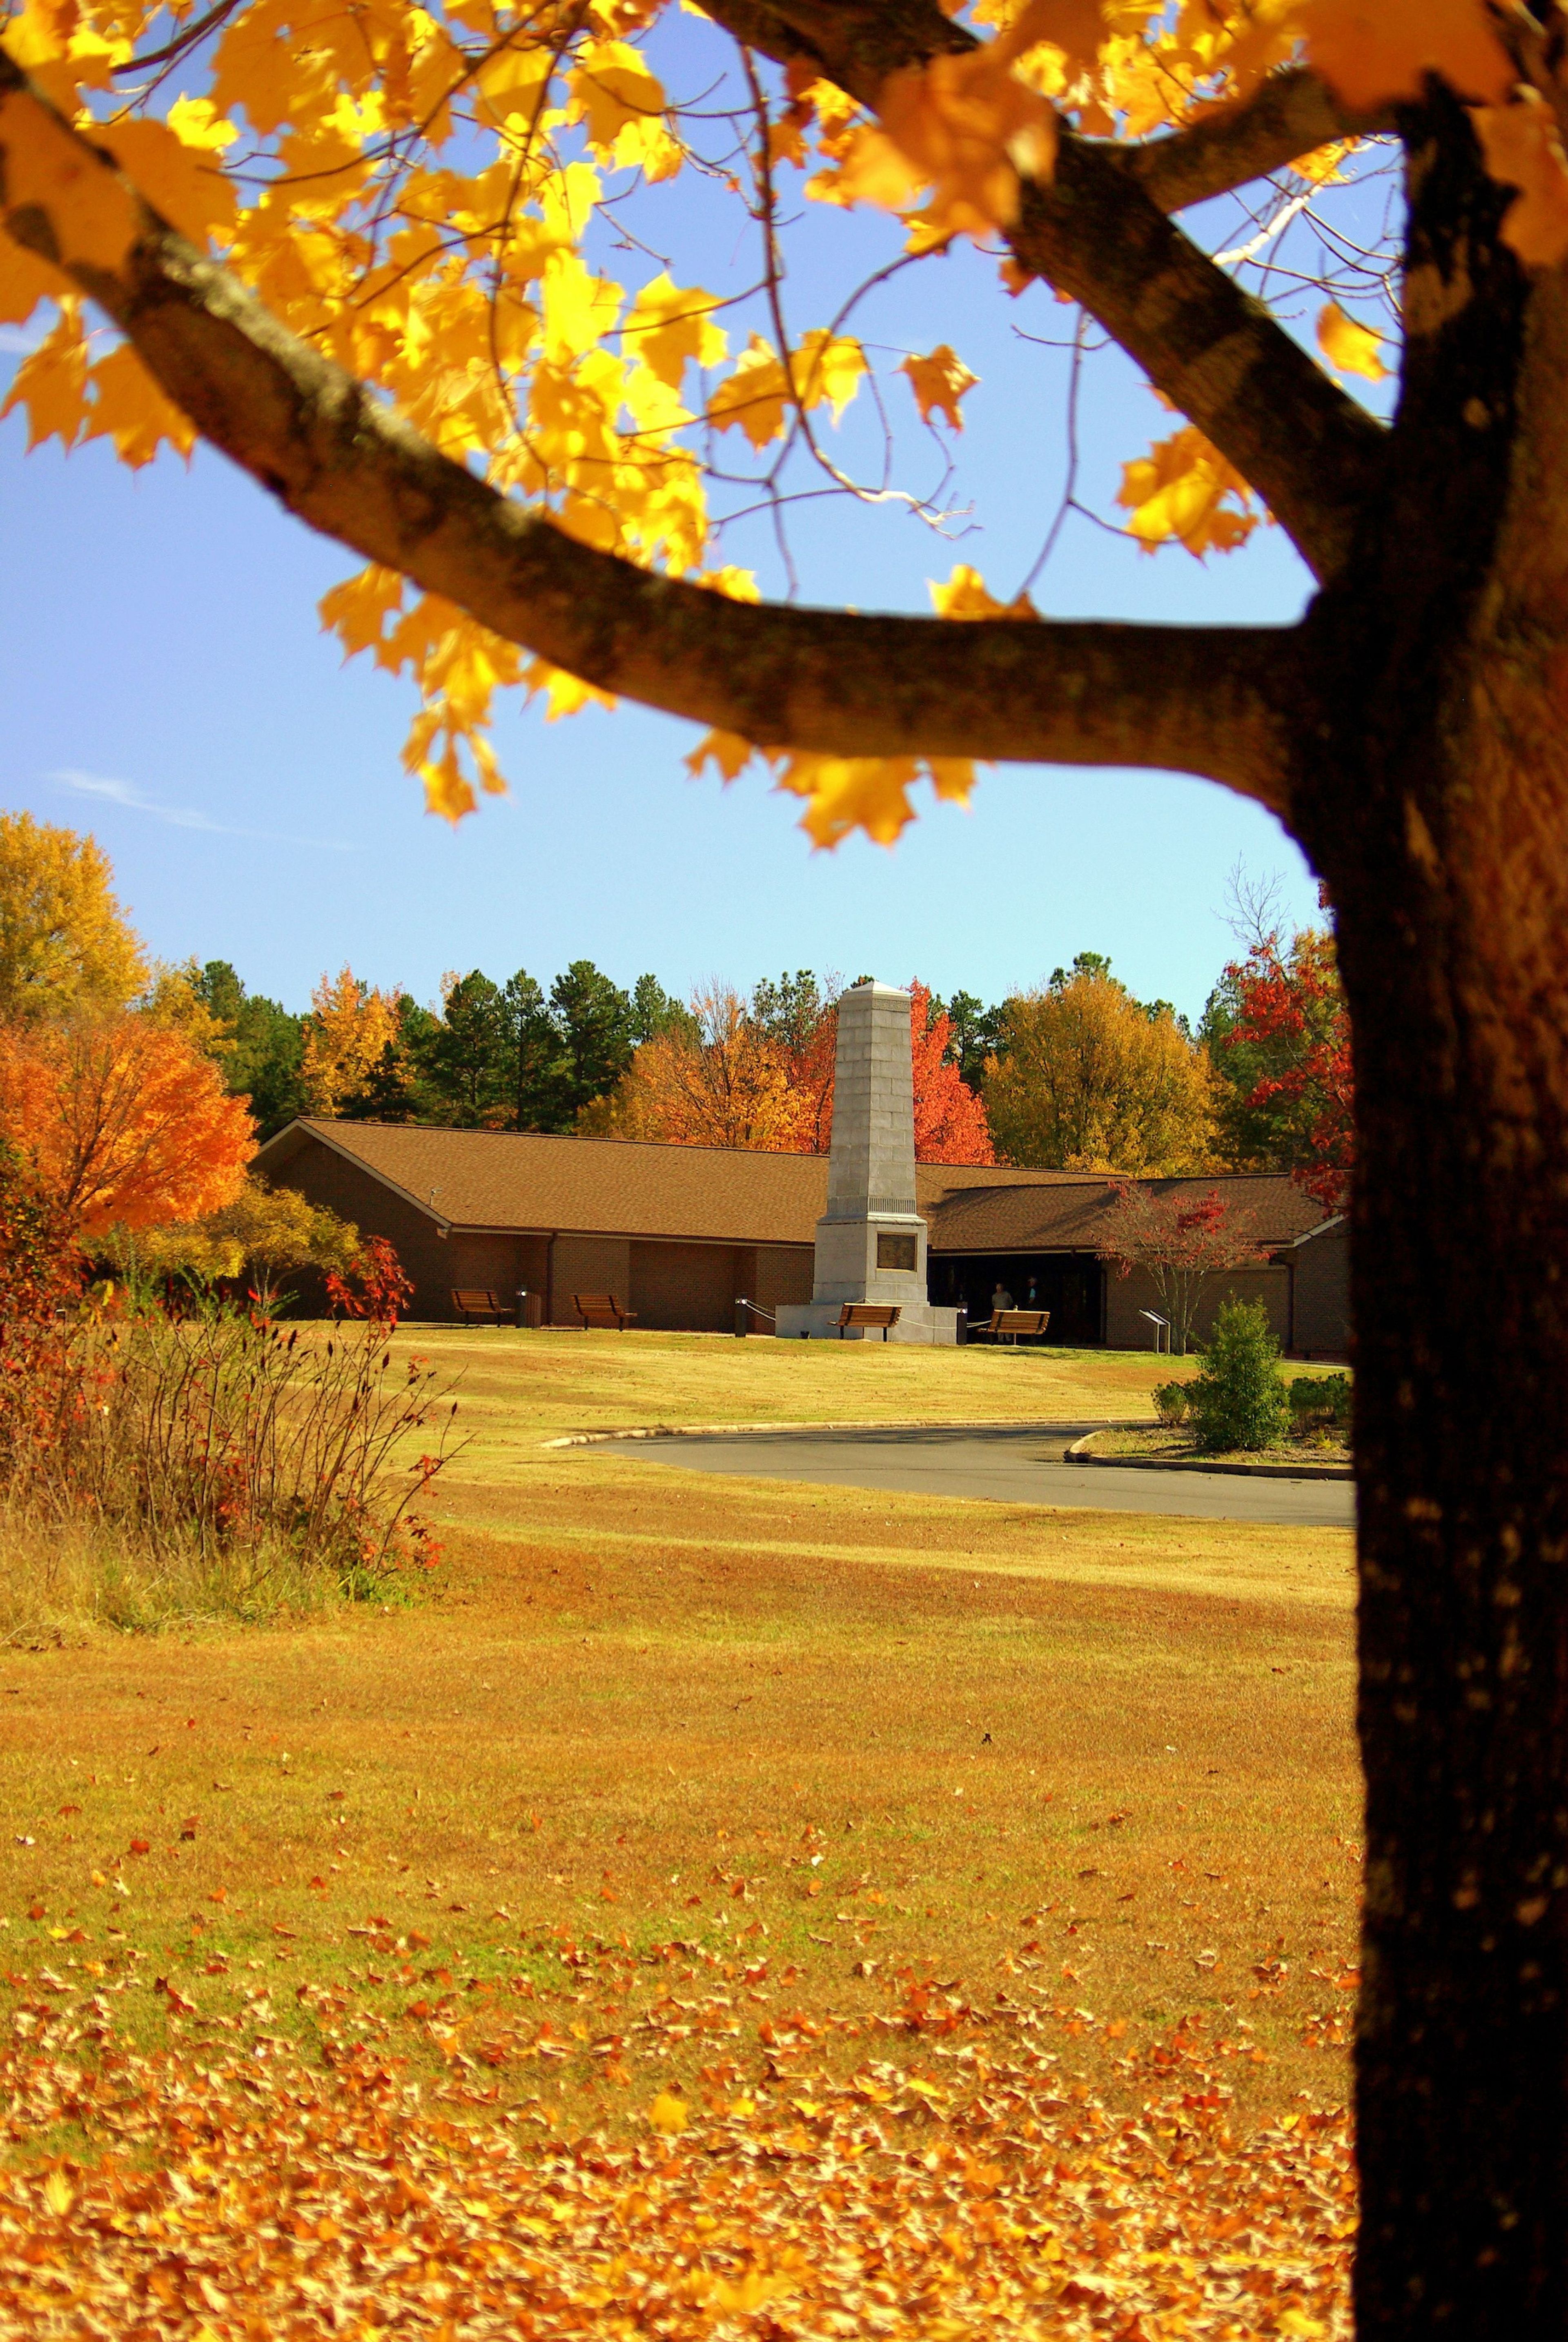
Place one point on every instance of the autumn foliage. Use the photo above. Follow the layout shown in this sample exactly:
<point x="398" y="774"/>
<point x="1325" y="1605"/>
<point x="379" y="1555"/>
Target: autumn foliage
<point x="1290" y="1040"/>
<point x="1089" y="1079"/>
<point x="353" y="179"/>
<point x="119" y="1118"/>
<point x="1180" y="1243"/>
<point x="726" y="1079"/>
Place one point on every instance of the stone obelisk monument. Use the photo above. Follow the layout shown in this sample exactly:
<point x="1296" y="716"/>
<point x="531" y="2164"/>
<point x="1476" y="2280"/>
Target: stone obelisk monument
<point x="870" y="1240"/>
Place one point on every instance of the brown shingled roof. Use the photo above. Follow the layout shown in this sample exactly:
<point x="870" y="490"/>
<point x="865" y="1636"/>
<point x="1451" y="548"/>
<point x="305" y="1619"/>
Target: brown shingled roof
<point x="1026" y="1211"/>
<point x="505" y="1179"/>
<point x="610" y="1187"/>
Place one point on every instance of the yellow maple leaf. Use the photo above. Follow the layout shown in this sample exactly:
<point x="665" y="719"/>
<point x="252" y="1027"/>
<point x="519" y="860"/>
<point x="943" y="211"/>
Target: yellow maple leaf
<point x="669" y="326"/>
<point x="357" y="610"/>
<point x="183" y="180"/>
<point x="51" y="382"/>
<point x="1352" y="348"/>
<point x="90" y="210"/>
<point x="621" y="106"/>
<point x="565" y="695"/>
<point x="726" y="750"/>
<point x="58" y="2194"/>
<point x="1076" y="27"/>
<point x="966" y="596"/>
<point x="1369" y="51"/>
<point x="969" y="129"/>
<point x="939" y="382"/>
<point x="129" y="407"/>
<point x="825" y="370"/>
<point x="848" y="793"/>
<point x="668" y="2113"/>
<point x="1184" y="491"/>
<point x="24" y="281"/>
<point x="513" y="83"/>
<point x="740" y="584"/>
<point x="870" y="793"/>
<point x="1523" y="149"/>
<point x="579" y="307"/>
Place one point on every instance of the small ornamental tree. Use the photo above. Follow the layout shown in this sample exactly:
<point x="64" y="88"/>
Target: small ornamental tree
<point x="1179" y="1244"/>
<point x="1236" y="1398"/>
<point x="263" y="1235"/>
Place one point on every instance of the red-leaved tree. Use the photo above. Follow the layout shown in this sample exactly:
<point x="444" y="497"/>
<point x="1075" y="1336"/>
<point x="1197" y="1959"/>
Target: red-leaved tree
<point x="1180" y="1243"/>
<point x="949" y="1125"/>
<point x="1281" y="1042"/>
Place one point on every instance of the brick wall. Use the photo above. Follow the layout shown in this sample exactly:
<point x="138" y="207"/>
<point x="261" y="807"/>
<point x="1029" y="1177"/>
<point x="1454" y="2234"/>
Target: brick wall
<point x="688" y="1288"/>
<point x="1323" y="1295"/>
<point x="782" y="1273"/>
<point x="590" y="1265"/>
<point x="325" y="1178"/>
<point x="1126" y="1295"/>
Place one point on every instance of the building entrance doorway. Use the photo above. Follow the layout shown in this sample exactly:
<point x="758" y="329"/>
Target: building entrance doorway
<point x="1070" y="1284"/>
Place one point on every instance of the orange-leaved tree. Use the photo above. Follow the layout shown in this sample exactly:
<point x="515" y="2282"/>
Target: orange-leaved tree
<point x="364" y="251"/>
<point x="120" y="1119"/>
<point x="949" y="1125"/>
<point x="719" y="1082"/>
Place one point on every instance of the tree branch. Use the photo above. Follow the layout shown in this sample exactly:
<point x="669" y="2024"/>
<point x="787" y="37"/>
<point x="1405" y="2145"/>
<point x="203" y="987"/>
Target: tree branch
<point x="1310" y="452"/>
<point x="1206" y="700"/>
<point x="1286" y="117"/>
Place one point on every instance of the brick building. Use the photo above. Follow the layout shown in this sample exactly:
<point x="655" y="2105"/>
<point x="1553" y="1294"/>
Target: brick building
<point x="679" y="1233"/>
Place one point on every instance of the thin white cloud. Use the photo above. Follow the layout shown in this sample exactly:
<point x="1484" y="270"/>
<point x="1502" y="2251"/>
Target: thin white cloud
<point x="21" y="341"/>
<point x="124" y="793"/>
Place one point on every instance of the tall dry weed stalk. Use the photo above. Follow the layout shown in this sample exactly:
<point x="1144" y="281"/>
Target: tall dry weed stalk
<point x="212" y="1459"/>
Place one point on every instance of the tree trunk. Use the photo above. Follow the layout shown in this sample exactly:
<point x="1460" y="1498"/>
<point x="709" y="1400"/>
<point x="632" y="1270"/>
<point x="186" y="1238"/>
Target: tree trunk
<point x="1438" y="797"/>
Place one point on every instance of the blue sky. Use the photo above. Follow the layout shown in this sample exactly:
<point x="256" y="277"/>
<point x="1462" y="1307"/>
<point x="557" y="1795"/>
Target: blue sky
<point x="167" y="686"/>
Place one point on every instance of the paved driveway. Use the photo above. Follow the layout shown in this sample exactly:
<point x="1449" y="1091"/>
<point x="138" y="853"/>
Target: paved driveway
<point x="1007" y="1467"/>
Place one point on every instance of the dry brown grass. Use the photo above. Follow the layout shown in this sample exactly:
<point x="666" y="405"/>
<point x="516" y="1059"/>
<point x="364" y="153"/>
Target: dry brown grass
<point x="560" y="1382"/>
<point x="1066" y="1754"/>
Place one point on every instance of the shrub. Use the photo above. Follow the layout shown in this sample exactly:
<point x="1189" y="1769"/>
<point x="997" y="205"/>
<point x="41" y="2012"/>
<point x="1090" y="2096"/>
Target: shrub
<point x="1236" y="1397"/>
<point x="232" y="1462"/>
<point x="1170" y="1403"/>
<point x="1321" y="1403"/>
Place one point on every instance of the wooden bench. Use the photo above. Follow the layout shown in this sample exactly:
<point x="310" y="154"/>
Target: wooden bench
<point x="1006" y="1325"/>
<point x="885" y="1314"/>
<point x="603" y="1310"/>
<point x="471" y="1305"/>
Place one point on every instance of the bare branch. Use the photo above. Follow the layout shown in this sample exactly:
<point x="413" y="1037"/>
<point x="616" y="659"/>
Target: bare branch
<point x="1208" y="700"/>
<point x="1310" y="452"/>
<point x="1286" y="117"/>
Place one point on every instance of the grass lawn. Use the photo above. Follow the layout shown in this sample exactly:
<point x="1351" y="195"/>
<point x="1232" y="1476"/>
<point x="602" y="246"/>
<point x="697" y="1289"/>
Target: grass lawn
<point x="742" y="1848"/>
<point x="1179" y="1446"/>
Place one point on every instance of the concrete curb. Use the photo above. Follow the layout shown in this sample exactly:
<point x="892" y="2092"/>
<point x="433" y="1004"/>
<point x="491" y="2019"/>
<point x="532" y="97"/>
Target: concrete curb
<point x="1078" y="1454"/>
<point x="735" y="1430"/>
